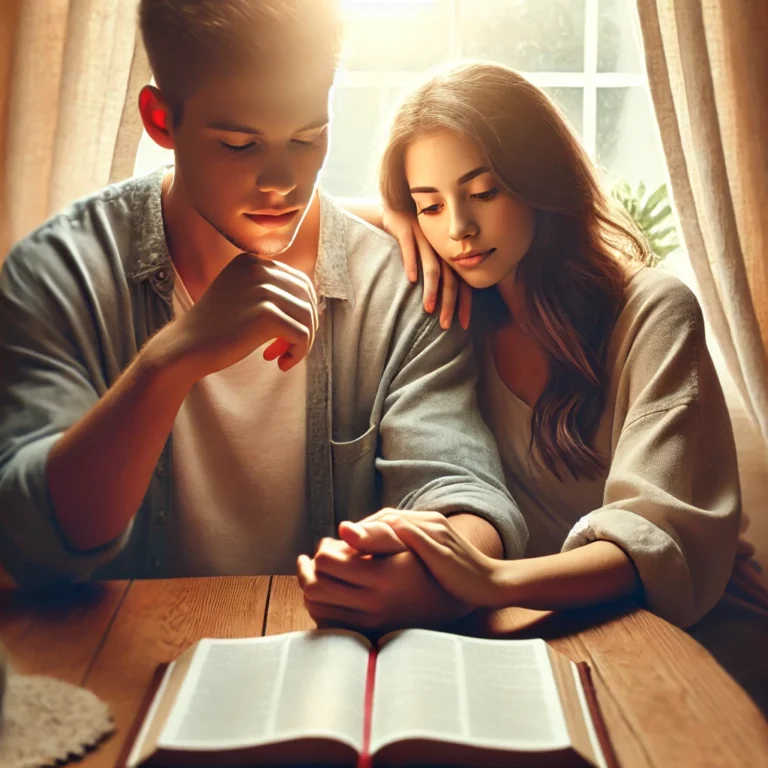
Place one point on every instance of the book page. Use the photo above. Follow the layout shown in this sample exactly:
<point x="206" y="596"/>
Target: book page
<point x="243" y="693"/>
<point x="499" y="694"/>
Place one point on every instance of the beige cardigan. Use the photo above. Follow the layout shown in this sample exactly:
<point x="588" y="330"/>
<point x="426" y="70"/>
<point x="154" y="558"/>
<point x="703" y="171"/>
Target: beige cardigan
<point x="670" y="495"/>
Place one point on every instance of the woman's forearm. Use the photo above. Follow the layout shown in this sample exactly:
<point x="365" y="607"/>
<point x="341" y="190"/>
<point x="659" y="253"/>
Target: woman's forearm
<point x="595" y="573"/>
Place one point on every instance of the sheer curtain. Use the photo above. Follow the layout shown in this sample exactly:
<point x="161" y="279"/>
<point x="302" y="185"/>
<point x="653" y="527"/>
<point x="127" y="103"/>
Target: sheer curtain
<point x="70" y="73"/>
<point x="707" y="63"/>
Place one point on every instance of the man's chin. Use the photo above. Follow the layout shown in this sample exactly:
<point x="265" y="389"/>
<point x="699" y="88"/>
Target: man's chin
<point x="268" y="246"/>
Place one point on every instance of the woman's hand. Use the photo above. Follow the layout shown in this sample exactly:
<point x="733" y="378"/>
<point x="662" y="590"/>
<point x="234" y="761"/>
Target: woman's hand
<point x="461" y="569"/>
<point x="437" y="274"/>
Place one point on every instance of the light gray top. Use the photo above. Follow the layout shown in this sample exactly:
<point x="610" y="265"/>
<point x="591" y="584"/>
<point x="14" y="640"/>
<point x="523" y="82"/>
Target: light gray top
<point x="392" y="418"/>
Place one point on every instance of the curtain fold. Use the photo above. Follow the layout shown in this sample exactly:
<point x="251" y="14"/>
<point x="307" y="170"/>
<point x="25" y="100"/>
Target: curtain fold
<point x="707" y="64"/>
<point x="69" y="82"/>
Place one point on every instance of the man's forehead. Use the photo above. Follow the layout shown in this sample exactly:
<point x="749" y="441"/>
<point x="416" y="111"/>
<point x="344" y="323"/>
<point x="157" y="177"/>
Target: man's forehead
<point x="265" y="102"/>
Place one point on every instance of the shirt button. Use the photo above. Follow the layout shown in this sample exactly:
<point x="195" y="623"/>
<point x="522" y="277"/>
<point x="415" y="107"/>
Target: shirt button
<point x="162" y="519"/>
<point x="161" y="274"/>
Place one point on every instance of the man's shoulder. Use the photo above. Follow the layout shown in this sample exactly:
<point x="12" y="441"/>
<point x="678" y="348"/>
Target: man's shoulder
<point x="93" y="233"/>
<point x="363" y="238"/>
<point x="374" y="263"/>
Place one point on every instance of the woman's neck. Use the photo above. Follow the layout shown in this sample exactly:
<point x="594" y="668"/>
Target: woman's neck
<point x="512" y="291"/>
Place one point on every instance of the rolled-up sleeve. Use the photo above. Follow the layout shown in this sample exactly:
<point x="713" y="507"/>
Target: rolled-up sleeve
<point x="45" y="389"/>
<point x="436" y="452"/>
<point x="672" y="499"/>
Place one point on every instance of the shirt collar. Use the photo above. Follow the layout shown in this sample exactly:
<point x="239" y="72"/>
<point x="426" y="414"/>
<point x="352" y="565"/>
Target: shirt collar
<point x="150" y="259"/>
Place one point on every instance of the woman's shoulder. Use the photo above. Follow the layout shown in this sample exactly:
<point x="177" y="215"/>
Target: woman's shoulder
<point x="657" y="341"/>
<point x="660" y="301"/>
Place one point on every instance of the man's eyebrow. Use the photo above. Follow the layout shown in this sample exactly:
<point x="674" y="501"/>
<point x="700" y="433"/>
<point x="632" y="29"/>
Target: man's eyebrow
<point x="467" y="177"/>
<point x="224" y="125"/>
<point x="315" y="125"/>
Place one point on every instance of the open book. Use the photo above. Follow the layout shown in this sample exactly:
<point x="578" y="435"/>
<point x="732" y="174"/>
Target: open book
<point x="329" y="697"/>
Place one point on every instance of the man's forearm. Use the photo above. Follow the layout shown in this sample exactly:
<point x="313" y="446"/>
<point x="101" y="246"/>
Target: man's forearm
<point x="479" y="532"/>
<point x="99" y="471"/>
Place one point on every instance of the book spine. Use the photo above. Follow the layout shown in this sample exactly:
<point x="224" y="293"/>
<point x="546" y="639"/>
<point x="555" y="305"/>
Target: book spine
<point x="364" y="761"/>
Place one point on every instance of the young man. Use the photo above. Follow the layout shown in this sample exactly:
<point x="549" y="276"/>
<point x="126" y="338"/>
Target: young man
<point x="141" y="432"/>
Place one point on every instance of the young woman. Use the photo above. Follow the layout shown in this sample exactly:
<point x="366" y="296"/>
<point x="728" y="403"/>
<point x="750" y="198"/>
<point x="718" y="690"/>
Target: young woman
<point x="594" y="372"/>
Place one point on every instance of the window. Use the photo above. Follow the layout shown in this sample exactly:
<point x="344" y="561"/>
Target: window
<point x="585" y="54"/>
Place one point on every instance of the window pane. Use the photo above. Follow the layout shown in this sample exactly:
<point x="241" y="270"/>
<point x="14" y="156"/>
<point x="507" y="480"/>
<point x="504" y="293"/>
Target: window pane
<point x="628" y="144"/>
<point x="359" y="127"/>
<point x="571" y="103"/>
<point x="529" y="35"/>
<point x="405" y="36"/>
<point x="618" y="47"/>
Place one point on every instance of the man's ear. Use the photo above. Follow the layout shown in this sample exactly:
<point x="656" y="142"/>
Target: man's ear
<point x="156" y="116"/>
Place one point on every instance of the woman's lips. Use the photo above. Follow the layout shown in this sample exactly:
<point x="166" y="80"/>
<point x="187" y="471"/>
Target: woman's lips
<point x="472" y="261"/>
<point x="272" y="220"/>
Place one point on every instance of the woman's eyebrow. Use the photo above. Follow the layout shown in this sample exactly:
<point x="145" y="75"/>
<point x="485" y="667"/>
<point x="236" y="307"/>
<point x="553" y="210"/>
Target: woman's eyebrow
<point x="465" y="179"/>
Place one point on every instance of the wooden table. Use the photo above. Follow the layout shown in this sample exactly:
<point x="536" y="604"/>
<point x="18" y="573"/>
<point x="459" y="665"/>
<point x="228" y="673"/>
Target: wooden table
<point x="665" y="700"/>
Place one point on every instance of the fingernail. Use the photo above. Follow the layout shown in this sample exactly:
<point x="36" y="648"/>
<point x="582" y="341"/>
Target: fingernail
<point x="430" y="306"/>
<point x="413" y="277"/>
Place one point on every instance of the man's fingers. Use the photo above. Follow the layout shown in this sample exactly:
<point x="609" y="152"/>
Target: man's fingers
<point x="292" y="331"/>
<point x="430" y="264"/>
<point x="299" y="309"/>
<point x="349" y="570"/>
<point x="449" y="295"/>
<point x="277" y="348"/>
<point x="326" y="615"/>
<point x="374" y="538"/>
<point x="291" y="281"/>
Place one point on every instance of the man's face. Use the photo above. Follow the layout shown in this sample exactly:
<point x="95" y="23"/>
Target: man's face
<point x="249" y="150"/>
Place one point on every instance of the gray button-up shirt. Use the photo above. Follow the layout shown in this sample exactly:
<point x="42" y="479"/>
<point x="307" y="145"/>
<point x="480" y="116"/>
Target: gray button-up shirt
<point x="392" y="418"/>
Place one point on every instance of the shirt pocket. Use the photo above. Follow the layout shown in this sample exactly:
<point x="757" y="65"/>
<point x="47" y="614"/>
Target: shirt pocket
<point x="354" y="476"/>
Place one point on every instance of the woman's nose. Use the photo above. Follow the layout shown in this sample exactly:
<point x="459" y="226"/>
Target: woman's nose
<point x="462" y="225"/>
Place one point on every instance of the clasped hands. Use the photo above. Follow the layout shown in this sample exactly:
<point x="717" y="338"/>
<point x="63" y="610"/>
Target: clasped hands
<point x="395" y="569"/>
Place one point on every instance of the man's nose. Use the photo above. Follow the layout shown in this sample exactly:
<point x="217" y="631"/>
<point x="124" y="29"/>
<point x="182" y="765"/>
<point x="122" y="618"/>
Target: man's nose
<point x="277" y="175"/>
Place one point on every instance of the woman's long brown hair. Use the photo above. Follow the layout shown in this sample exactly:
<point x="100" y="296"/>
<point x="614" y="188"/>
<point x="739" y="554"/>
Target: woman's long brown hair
<point x="583" y="252"/>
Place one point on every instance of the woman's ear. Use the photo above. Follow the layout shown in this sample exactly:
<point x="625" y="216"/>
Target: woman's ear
<point x="156" y="116"/>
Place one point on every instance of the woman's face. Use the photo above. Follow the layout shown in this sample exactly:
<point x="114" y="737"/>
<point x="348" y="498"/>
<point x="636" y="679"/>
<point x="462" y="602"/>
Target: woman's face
<point x="481" y="230"/>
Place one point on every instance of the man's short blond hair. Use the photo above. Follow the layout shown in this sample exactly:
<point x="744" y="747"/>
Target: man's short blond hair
<point x="187" y="40"/>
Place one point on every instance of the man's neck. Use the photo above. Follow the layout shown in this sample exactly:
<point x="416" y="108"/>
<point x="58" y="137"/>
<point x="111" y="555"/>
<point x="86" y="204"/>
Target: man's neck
<point x="199" y="252"/>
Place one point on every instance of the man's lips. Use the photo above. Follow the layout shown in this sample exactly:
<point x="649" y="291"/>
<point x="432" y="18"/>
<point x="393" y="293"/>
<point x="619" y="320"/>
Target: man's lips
<point x="272" y="219"/>
<point x="472" y="259"/>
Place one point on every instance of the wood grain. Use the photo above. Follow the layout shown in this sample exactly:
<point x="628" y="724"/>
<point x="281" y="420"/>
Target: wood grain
<point x="157" y="621"/>
<point x="683" y="706"/>
<point x="57" y="632"/>
<point x="286" y="611"/>
<point x="664" y="698"/>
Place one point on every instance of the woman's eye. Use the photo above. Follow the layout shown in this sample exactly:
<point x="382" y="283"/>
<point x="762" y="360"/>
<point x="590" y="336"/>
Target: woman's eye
<point x="488" y="195"/>
<point x="430" y="209"/>
<point x="238" y="147"/>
